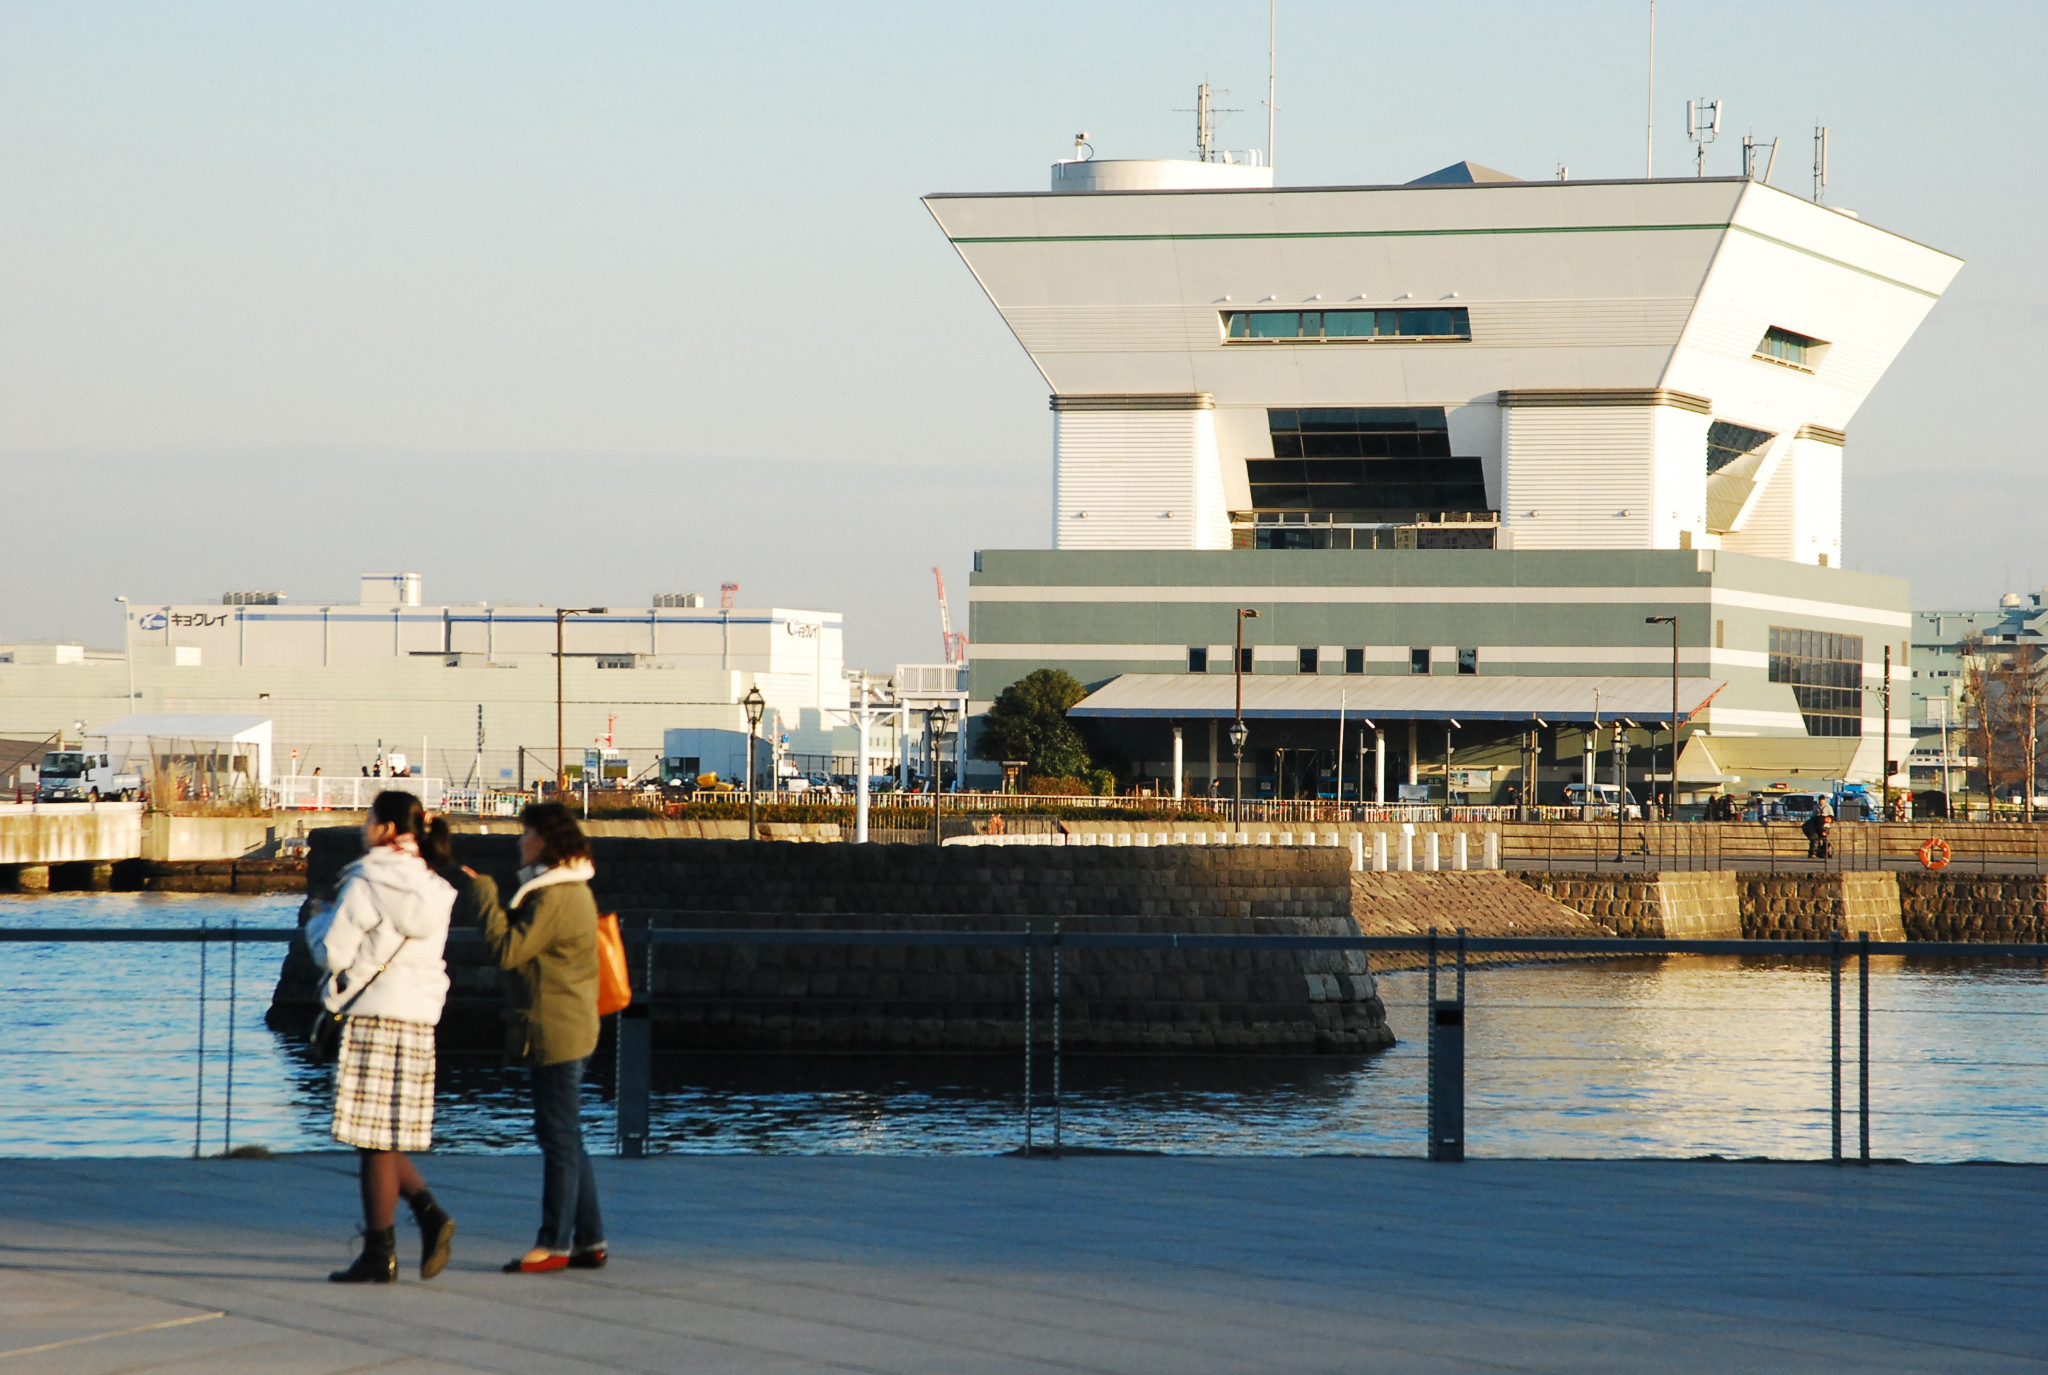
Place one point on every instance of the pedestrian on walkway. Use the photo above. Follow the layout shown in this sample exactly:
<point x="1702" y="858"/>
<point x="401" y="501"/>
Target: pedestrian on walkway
<point x="548" y="940"/>
<point x="381" y="944"/>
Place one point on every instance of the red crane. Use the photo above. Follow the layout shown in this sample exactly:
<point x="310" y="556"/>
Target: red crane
<point x="955" y="641"/>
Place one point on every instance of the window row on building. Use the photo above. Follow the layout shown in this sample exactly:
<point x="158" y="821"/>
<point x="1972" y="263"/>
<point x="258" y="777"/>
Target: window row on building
<point x="1825" y="672"/>
<point x="1309" y="659"/>
<point x="1273" y="326"/>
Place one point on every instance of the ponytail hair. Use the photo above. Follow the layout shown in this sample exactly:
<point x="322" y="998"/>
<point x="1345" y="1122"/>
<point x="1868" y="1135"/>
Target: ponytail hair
<point x="403" y="812"/>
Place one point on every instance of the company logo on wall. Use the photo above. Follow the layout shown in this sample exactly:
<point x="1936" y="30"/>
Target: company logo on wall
<point x="155" y="620"/>
<point x="803" y="630"/>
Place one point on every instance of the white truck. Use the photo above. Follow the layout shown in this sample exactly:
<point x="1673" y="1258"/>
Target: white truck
<point x="84" y="775"/>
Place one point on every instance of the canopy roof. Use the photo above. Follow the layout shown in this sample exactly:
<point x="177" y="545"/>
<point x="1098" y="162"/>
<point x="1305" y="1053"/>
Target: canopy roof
<point x="1389" y="697"/>
<point x="189" y="726"/>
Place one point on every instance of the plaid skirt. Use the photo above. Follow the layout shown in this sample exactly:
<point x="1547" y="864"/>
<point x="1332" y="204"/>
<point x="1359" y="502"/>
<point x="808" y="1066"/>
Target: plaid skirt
<point x="384" y="1085"/>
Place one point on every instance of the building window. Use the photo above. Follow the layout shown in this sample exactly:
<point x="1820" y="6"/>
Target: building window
<point x="1308" y="658"/>
<point x="1345" y="326"/>
<point x="613" y="661"/>
<point x="1354" y="661"/>
<point x="1783" y="346"/>
<point x="1727" y="442"/>
<point x="1198" y="659"/>
<point x="1418" y="661"/>
<point x="1244" y="659"/>
<point x="1390" y="461"/>
<point x="1468" y="662"/>
<point x="1825" y="671"/>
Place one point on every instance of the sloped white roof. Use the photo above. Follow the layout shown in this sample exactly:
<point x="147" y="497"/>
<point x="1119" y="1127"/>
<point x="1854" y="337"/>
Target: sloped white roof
<point x="188" y="726"/>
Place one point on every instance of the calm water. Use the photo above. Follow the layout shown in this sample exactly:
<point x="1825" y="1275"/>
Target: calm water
<point x="1668" y="1058"/>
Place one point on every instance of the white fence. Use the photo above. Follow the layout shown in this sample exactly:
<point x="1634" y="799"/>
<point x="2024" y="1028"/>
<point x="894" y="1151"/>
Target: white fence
<point x="342" y="793"/>
<point x="1404" y="850"/>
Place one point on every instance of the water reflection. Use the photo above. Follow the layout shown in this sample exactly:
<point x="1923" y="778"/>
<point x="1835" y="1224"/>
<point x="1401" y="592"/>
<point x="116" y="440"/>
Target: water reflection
<point x="1674" y="1057"/>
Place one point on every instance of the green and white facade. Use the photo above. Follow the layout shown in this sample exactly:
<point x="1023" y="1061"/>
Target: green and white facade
<point x="1468" y="427"/>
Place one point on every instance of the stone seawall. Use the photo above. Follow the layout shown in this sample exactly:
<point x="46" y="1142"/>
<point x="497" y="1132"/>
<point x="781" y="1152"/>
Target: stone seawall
<point x="1484" y="904"/>
<point x="1677" y="904"/>
<point x="1966" y="907"/>
<point x="883" y="998"/>
<point x="1816" y="906"/>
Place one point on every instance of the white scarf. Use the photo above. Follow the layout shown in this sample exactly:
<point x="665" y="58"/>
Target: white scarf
<point x="537" y="876"/>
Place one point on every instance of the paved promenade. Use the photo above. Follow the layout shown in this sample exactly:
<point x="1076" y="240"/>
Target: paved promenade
<point x="1102" y="1264"/>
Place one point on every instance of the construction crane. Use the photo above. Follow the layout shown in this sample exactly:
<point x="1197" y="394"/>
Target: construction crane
<point x="955" y="641"/>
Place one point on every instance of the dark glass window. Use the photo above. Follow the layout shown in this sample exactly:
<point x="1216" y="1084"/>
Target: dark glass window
<point x="1785" y="346"/>
<point x="1825" y="671"/>
<point x="1726" y="443"/>
<point x="1418" y="661"/>
<point x="1244" y="659"/>
<point x="1307" y="655"/>
<point x="1387" y="459"/>
<point x="1354" y="661"/>
<point x="1198" y="659"/>
<point x="1468" y="661"/>
<point x="1249" y="325"/>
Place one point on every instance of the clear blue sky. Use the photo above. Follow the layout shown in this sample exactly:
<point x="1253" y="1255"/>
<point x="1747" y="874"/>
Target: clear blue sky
<point x="584" y="302"/>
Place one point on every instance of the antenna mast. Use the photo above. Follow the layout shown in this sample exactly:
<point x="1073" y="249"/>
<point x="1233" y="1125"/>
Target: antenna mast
<point x="1820" y="162"/>
<point x="1272" y="34"/>
<point x="1650" y="108"/>
<point x="1702" y="126"/>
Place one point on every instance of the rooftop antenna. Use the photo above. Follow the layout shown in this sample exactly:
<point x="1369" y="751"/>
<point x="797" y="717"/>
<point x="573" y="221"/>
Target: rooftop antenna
<point x="725" y="594"/>
<point x="1650" y="109"/>
<point x="1205" y="123"/>
<point x="1081" y="142"/>
<point x="1820" y="163"/>
<point x="1272" y="36"/>
<point x="1564" y="173"/>
<point x="1750" y="148"/>
<point x="1702" y="126"/>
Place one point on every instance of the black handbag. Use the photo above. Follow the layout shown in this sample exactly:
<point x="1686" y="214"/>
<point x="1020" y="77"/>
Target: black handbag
<point x="323" y="1038"/>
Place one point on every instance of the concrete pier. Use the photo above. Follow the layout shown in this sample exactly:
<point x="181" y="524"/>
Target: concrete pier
<point x="1119" y="1264"/>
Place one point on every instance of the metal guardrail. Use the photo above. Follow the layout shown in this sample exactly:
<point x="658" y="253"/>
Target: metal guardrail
<point x="1446" y="1039"/>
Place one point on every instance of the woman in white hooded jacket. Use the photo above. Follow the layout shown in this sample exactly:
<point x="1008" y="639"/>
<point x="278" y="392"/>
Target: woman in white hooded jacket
<point x="381" y="944"/>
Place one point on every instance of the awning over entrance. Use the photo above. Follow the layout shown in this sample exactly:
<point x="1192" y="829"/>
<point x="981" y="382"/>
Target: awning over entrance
<point x="1376" y="698"/>
<point x="1761" y="759"/>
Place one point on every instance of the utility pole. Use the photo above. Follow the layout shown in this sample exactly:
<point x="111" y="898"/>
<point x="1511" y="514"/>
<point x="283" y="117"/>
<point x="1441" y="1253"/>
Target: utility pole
<point x="1237" y="726"/>
<point x="1671" y="621"/>
<point x="1886" y="752"/>
<point x="562" y="613"/>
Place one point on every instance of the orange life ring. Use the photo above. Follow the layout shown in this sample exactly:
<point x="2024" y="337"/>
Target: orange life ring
<point x="1935" y="854"/>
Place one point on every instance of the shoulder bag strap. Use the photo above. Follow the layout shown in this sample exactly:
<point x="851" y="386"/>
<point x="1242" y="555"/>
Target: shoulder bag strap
<point x="343" y="1009"/>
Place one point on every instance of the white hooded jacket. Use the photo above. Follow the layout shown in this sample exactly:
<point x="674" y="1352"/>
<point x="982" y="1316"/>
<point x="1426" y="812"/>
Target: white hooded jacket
<point x="386" y="896"/>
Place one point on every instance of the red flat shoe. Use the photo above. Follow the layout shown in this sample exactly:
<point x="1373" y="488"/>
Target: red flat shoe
<point x="592" y="1258"/>
<point x="528" y="1264"/>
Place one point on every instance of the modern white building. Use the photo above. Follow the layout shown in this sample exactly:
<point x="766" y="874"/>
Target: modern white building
<point x="1469" y="427"/>
<point x="462" y="690"/>
<point x="1464" y="361"/>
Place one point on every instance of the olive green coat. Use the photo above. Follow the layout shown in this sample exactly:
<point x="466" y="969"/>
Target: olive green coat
<point x="548" y="942"/>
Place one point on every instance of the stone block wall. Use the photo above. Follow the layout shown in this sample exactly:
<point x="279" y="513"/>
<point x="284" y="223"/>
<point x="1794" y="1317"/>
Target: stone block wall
<point x="1661" y="905"/>
<point x="1815" y="906"/>
<point x="946" y="999"/>
<point x="1969" y="907"/>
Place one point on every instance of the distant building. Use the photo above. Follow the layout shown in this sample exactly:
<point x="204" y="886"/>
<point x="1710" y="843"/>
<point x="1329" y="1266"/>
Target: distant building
<point x="464" y="691"/>
<point x="1943" y="645"/>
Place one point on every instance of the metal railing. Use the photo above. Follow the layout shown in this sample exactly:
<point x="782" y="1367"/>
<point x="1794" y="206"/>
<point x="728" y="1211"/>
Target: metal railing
<point x="1445" y="953"/>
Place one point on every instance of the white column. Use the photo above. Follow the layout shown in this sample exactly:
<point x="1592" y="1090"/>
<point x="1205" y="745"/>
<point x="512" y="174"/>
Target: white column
<point x="1460" y="859"/>
<point x="1379" y="852"/>
<point x="1178" y="768"/>
<point x="860" y="772"/>
<point x="1357" y="852"/>
<point x="1493" y="849"/>
<point x="1413" y="736"/>
<point x="1432" y="852"/>
<point x="1408" y="848"/>
<point x="1379" y="765"/>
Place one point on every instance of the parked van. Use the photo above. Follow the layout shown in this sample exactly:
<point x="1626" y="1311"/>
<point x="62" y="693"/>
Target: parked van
<point x="1600" y="797"/>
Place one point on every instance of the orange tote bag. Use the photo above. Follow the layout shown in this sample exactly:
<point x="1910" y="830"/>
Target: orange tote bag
<point x="614" y="988"/>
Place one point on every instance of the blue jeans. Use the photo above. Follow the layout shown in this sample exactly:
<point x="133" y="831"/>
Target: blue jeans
<point x="568" y="1195"/>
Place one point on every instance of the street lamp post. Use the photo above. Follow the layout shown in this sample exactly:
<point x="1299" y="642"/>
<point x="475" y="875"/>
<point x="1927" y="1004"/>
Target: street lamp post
<point x="562" y="613"/>
<point x="1237" y="727"/>
<point x="755" y="704"/>
<point x="934" y="728"/>
<point x="1671" y="621"/>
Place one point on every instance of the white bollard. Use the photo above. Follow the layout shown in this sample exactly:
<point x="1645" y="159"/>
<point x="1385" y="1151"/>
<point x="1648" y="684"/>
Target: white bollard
<point x="1408" y="848"/>
<point x="1265" y="837"/>
<point x="1432" y="852"/>
<point x="1379" y="852"/>
<point x="1287" y="837"/>
<point x="1330" y="839"/>
<point x="1180" y="837"/>
<point x="1241" y="838"/>
<point x="1458" y="854"/>
<point x="1358" y="852"/>
<point x="1493" y="849"/>
<point x="1141" y="839"/>
<point x="1123" y="839"/>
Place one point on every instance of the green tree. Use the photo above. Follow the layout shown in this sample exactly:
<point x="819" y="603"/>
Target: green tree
<point x="1028" y="721"/>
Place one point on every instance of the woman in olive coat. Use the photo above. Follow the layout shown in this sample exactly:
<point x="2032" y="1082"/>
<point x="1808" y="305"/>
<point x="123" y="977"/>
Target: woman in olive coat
<point x="546" y="937"/>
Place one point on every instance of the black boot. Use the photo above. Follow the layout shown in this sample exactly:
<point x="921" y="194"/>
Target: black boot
<point x="437" y="1234"/>
<point x="378" y="1264"/>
